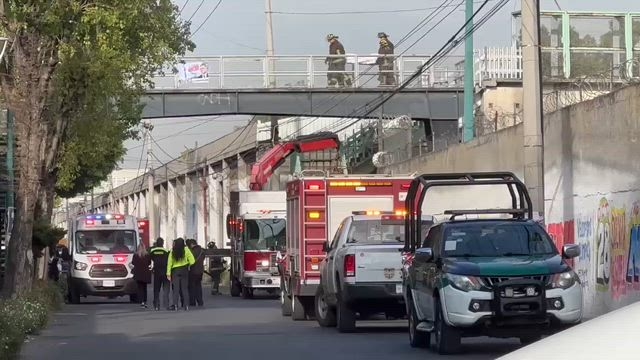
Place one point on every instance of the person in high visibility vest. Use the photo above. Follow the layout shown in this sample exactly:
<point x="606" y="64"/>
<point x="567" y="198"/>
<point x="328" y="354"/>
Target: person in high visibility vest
<point x="180" y="259"/>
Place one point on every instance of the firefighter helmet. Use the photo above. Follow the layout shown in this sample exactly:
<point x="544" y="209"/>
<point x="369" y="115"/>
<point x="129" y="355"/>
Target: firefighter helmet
<point x="382" y="35"/>
<point x="331" y="37"/>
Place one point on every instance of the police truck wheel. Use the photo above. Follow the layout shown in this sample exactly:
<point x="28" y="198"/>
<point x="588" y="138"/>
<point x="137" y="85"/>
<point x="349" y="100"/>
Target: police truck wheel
<point x="325" y="314"/>
<point x="447" y="338"/>
<point x="285" y="303"/>
<point x="417" y="339"/>
<point x="297" y="312"/>
<point x="346" y="318"/>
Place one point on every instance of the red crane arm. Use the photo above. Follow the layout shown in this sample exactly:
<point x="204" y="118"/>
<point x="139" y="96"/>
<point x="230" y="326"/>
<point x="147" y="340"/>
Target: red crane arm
<point x="264" y="168"/>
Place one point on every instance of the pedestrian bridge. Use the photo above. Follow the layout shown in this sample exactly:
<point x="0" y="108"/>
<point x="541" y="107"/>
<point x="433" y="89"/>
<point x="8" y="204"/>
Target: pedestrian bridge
<point x="287" y="85"/>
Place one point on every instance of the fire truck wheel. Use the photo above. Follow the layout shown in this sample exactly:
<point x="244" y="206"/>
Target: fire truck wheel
<point x="298" y="311"/>
<point x="285" y="303"/>
<point x="325" y="314"/>
<point x="235" y="288"/>
<point x="247" y="293"/>
<point x="346" y="318"/>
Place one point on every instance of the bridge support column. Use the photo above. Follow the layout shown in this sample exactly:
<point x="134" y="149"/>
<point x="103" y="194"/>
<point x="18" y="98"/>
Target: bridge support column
<point x="171" y="212"/>
<point x="180" y="207"/>
<point x="225" y="193"/>
<point x="162" y="212"/>
<point x="242" y="174"/>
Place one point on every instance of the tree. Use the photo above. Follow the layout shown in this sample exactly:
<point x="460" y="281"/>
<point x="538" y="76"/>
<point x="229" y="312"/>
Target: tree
<point x="64" y="58"/>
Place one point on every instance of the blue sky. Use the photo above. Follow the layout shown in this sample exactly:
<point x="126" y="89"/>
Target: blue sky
<point x="237" y="27"/>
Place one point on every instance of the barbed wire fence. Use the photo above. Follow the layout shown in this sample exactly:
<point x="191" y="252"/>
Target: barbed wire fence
<point x="588" y="87"/>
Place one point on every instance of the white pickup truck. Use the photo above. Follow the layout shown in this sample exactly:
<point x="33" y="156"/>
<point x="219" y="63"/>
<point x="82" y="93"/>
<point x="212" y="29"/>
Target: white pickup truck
<point x="362" y="272"/>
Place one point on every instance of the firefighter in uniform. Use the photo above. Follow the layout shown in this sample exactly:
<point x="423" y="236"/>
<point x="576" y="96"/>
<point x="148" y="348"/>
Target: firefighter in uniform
<point x="159" y="257"/>
<point x="337" y="64"/>
<point x="385" y="61"/>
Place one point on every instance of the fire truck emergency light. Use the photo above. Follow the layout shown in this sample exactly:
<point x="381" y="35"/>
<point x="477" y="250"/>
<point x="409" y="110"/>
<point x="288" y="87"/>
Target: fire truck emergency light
<point x="313" y="215"/>
<point x="359" y="183"/>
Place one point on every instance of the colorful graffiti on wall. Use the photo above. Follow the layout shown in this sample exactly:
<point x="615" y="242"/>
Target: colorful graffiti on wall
<point x="610" y="247"/>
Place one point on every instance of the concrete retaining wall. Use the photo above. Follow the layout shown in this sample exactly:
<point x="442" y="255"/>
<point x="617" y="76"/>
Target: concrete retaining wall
<point x="592" y="190"/>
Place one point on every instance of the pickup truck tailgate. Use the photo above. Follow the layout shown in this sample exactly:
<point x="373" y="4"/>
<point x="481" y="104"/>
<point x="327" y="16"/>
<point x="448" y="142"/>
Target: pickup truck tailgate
<point x="378" y="263"/>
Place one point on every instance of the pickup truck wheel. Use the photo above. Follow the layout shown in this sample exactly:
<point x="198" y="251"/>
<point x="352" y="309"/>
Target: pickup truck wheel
<point x="447" y="337"/>
<point x="346" y="318"/>
<point x="285" y="303"/>
<point x="297" y="309"/>
<point x="325" y="314"/>
<point x="417" y="339"/>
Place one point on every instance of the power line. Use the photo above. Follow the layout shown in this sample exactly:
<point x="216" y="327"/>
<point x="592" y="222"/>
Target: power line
<point x="195" y="12"/>
<point x="207" y="18"/>
<point x="184" y="6"/>
<point x="179" y="132"/>
<point x="450" y="45"/>
<point x="418" y="27"/>
<point x="360" y="12"/>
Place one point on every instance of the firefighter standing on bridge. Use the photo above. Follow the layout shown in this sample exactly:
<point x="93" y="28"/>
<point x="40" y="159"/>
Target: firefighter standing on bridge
<point x="385" y="61"/>
<point x="336" y="71"/>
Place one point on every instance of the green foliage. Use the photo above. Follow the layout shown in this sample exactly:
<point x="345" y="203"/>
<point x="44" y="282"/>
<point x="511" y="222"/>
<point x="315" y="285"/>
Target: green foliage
<point x="27" y="315"/>
<point x="103" y="73"/>
<point x="45" y="235"/>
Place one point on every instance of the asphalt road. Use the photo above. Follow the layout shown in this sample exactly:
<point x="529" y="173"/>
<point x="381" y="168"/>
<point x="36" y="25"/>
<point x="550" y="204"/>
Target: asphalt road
<point x="226" y="328"/>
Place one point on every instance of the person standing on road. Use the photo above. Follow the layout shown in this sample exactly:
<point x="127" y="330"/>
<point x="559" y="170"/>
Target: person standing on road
<point x="195" y="274"/>
<point x="385" y="61"/>
<point x="180" y="259"/>
<point x="142" y="273"/>
<point x="160" y="256"/>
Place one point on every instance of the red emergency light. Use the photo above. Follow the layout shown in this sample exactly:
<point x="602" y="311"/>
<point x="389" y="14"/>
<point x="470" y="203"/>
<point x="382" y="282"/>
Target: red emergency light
<point x="89" y="222"/>
<point x="120" y="258"/>
<point x="95" y="259"/>
<point x="405" y="186"/>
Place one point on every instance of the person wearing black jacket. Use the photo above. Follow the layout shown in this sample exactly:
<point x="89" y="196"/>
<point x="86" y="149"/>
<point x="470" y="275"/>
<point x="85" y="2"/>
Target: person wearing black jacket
<point x="160" y="256"/>
<point x="386" y="61"/>
<point x="142" y="273"/>
<point x="195" y="273"/>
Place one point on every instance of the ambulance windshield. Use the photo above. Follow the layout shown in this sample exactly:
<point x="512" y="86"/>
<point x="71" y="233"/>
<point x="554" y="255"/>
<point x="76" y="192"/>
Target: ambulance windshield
<point x="265" y="234"/>
<point x="105" y="242"/>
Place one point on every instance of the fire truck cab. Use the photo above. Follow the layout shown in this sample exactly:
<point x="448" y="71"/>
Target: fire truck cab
<point x="316" y="205"/>
<point x="102" y="248"/>
<point x="256" y="227"/>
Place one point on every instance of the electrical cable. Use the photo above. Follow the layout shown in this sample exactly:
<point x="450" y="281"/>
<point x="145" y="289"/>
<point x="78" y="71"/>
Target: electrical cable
<point x="358" y="12"/>
<point x="416" y="28"/>
<point x="196" y="11"/>
<point x="450" y="45"/>
<point x="184" y="6"/>
<point x="207" y="18"/>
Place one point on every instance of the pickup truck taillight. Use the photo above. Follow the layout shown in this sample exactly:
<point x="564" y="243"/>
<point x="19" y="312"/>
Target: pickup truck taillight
<point x="350" y="265"/>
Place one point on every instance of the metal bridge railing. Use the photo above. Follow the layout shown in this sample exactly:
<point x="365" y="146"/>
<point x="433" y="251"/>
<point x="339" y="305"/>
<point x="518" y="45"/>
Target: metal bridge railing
<point x="290" y="71"/>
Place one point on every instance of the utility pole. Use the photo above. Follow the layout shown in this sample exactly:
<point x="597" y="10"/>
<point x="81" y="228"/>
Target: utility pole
<point x="469" y="86"/>
<point x="532" y="105"/>
<point x="270" y="51"/>
<point x="151" y="204"/>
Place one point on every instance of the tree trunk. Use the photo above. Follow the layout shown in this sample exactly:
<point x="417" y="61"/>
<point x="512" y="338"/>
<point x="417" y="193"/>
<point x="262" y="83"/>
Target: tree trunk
<point x="27" y="93"/>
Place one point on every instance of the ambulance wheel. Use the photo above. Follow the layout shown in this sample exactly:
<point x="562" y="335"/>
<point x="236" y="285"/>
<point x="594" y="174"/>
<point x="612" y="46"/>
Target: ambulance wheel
<point x="235" y="288"/>
<point x="285" y="303"/>
<point x="74" y="296"/>
<point x="247" y="293"/>
<point x="297" y="309"/>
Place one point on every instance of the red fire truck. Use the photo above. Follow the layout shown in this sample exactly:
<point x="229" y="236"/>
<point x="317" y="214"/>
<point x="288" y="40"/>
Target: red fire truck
<point x="316" y="205"/>
<point x="143" y="231"/>
<point x="257" y="220"/>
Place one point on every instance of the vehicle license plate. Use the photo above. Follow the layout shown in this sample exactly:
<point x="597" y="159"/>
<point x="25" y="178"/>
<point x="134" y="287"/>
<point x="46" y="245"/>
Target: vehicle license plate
<point x="398" y="288"/>
<point x="108" y="283"/>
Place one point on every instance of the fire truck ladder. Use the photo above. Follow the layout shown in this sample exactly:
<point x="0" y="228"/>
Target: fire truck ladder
<point x="311" y="241"/>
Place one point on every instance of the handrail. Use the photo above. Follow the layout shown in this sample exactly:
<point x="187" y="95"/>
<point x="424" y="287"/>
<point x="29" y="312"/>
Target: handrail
<point x="306" y="71"/>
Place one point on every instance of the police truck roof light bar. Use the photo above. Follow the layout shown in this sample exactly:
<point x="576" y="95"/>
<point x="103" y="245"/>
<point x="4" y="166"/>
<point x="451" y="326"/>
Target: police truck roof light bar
<point x="420" y="184"/>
